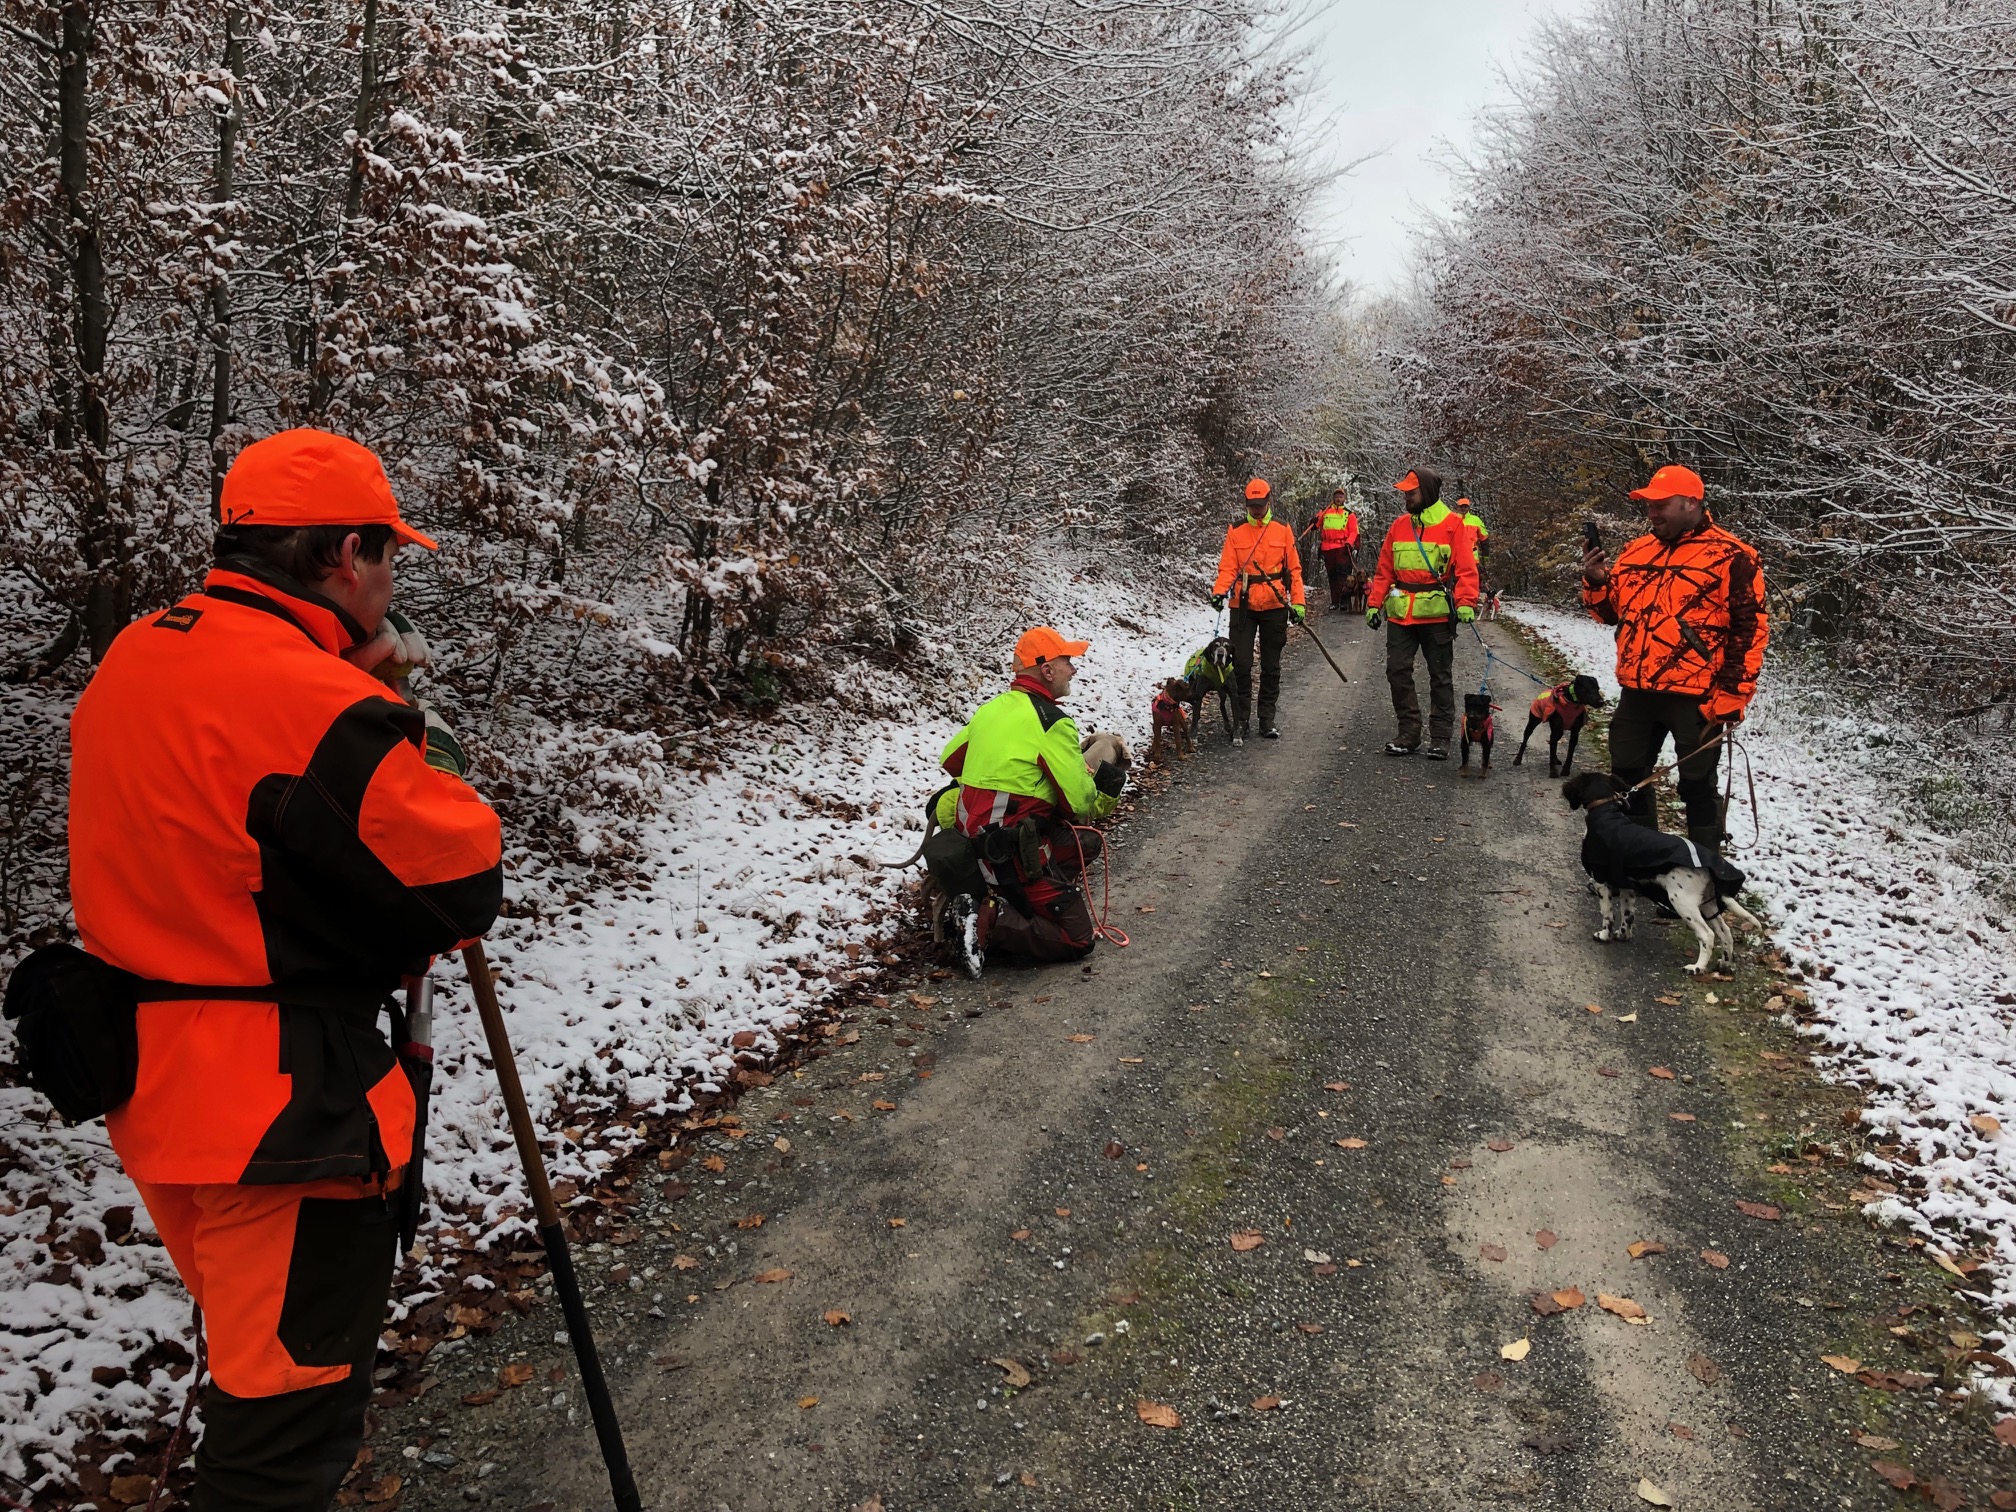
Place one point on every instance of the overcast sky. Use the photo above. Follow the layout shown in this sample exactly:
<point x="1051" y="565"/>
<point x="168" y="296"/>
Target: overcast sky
<point x="1397" y="77"/>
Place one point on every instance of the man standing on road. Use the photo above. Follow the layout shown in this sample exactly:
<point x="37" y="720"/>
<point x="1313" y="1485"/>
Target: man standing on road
<point x="1480" y="540"/>
<point x="1261" y="569"/>
<point x="1337" y="526"/>
<point x="251" y="811"/>
<point x="1023" y="784"/>
<point x="1688" y="603"/>
<point x="1426" y="584"/>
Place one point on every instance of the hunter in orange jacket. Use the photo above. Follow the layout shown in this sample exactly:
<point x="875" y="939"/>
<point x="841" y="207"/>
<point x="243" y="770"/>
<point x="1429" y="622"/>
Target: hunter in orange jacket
<point x="1260" y="568"/>
<point x="249" y="813"/>
<point x="1687" y="599"/>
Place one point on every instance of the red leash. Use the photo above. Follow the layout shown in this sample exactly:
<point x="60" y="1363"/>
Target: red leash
<point x="1100" y="928"/>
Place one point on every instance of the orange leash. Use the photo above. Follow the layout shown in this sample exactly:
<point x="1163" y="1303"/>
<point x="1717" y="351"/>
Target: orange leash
<point x="1100" y="928"/>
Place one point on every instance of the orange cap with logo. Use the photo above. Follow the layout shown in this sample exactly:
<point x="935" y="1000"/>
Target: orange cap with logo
<point x="1044" y="644"/>
<point x="1672" y="483"/>
<point x="1256" y="488"/>
<point x="311" y="477"/>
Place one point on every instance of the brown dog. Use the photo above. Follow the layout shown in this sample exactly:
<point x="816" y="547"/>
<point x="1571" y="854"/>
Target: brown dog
<point x="1167" y="718"/>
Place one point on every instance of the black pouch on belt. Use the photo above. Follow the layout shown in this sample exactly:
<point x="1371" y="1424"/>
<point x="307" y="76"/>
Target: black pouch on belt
<point x="74" y="1018"/>
<point x="949" y="857"/>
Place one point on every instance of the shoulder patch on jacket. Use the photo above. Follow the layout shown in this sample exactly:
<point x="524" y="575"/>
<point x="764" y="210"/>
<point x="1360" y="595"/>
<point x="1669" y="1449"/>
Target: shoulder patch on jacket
<point x="181" y="617"/>
<point x="1047" y="711"/>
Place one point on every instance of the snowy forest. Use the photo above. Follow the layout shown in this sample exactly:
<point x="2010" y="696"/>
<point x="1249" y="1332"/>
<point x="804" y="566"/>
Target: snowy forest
<point x="1776" y="240"/>
<point x="720" y="345"/>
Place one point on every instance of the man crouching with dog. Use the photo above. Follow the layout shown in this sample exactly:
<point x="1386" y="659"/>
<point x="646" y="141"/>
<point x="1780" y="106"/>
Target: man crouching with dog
<point x="1688" y="603"/>
<point x="1023" y="785"/>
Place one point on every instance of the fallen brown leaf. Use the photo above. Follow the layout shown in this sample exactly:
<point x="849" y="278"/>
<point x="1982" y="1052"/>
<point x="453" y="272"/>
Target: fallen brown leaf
<point x="1715" y="1258"/>
<point x="1638" y="1249"/>
<point x="715" y="1164"/>
<point x="1661" y="1072"/>
<point x="1309" y="1328"/>
<point x="838" y="1318"/>
<point x="1570" y="1297"/>
<point x="1681" y="1117"/>
<point x="1895" y="1380"/>
<point x="1546" y="1239"/>
<point x="1898" y="1478"/>
<point x="1247" y="1239"/>
<point x="772" y="1277"/>
<point x="899" y="1223"/>
<point x="1266" y="1403"/>
<point x="383" y="1490"/>
<point x="130" y="1489"/>
<point x="481" y="1398"/>
<point x="1350" y="1144"/>
<point x="1544" y="1304"/>
<point x="1157" y="1414"/>
<point x="1846" y="1364"/>
<point x="1762" y="1210"/>
<point x="1681" y="1431"/>
<point x="1492" y="1252"/>
<point x="753" y="1221"/>
<point x="805" y="1402"/>
<point x="1013" y="1372"/>
<point x="1018" y="1234"/>
<point x="1277" y="1134"/>
<point x="1517" y="1350"/>
<point x="1063" y="1212"/>
<point x="1876" y="1441"/>
<point x="1623" y="1307"/>
<point x="1082" y="1039"/>
<point x="1499" y="1146"/>
<point x="685" y="1262"/>
<point x="1703" y="1369"/>
<point x="2005" y="1431"/>
<point x="1592" y="1007"/>
<point x="1336" y="1086"/>
<point x="1652" y="1495"/>
<point x="1608" y="1071"/>
<point x="1488" y="1380"/>
<point x="883" y="1105"/>
<point x="1986" y="1124"/>
<point x="514" y="1375"/>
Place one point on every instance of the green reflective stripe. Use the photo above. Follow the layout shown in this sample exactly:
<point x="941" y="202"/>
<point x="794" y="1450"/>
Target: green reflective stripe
<point x="1336" y="519"/>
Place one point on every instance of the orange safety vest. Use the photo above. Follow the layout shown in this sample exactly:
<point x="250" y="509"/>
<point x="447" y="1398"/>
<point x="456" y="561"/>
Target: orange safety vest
<point x="1339" y="526"/>
<point x="1260" y="565"/>
<point x="1421" y="558"/>
<point x="1690" y="617"/>
<point x="247" y="808"/>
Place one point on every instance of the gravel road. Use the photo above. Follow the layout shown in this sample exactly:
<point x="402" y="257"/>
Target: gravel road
<point x="1035" y="1238"/>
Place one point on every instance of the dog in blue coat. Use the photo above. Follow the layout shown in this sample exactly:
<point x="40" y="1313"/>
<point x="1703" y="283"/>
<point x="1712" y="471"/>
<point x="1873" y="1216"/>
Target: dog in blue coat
<point x="1626" y="859"/>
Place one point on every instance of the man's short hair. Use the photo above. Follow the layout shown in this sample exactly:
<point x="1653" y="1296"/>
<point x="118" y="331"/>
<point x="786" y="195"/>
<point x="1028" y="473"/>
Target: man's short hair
<point x="305" y="553"/>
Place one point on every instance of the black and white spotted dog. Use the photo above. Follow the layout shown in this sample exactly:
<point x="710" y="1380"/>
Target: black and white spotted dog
<point x="1209" y="670"/>
<point x="1624" y="858"/>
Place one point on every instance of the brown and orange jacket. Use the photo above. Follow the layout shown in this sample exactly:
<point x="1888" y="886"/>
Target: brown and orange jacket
<point x="1690" y="617"/>
<point x="247" y="808"/>
<point x="1260" y="566"/>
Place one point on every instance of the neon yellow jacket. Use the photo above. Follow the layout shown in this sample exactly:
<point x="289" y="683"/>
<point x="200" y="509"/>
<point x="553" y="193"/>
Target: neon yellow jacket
<point x="1021" y="744"/>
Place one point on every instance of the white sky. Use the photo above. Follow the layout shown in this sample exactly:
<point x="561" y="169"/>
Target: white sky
<point x="1402" y="78"/>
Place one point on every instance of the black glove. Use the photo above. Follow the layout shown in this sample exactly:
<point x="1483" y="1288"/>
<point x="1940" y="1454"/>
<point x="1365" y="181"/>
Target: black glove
<point x="1217" y="601"/>
<point x="1109" y="779"/>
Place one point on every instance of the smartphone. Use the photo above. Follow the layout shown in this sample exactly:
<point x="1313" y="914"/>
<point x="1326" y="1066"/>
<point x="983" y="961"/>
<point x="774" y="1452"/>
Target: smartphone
<point x="1592" y="539"/>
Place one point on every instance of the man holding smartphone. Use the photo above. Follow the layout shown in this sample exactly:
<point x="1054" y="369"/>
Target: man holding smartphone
<point x="1687" y="600"/>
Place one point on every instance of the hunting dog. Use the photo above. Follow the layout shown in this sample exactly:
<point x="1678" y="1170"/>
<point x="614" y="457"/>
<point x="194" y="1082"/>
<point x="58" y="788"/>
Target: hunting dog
<point x="1354" y="592"/>
<point x="1479" y="729"/>
<point x="1625" y="858"/>
<point x="1168" y="719"/>
<point x="1210" y="671"/>
<point x="1565" y="708"/>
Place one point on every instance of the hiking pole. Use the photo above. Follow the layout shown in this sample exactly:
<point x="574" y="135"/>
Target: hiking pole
<point x="608" y="1432"/>
<point x="1325" y="650"/>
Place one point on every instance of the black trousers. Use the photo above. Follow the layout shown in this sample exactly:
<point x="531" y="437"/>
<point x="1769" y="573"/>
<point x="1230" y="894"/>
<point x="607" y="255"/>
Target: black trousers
<point x="1271" y="626"/>
<point x="1436" y="642"/>
<point x="1639" y="727"/>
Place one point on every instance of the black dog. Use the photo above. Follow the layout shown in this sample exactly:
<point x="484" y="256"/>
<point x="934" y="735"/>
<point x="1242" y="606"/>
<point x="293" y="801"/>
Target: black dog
<point x="1565" y="707"/>
<point x="1624" y="857"/>
<point x="1479" y="728"/>
<point x="1210" y="671"/>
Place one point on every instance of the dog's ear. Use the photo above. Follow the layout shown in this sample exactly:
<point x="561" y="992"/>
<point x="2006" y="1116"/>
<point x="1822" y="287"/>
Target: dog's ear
<point x="1573" y="789"/>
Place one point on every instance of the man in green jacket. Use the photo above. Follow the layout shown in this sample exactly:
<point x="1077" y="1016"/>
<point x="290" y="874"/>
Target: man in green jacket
<point x="1023" y="786"/>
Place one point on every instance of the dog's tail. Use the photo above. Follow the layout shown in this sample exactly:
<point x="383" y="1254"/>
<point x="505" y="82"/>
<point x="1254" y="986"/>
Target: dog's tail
<point x="1742" y="914"/>
<point x="930" y="829"/>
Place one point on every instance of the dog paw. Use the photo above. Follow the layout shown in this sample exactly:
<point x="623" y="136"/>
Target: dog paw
<point x="1601" y="936"/>
<point x="1692" y="969"/>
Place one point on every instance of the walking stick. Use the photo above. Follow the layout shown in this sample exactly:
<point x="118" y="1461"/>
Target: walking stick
<point x="608" y="1432"/>
<point x="1325" y="650"/>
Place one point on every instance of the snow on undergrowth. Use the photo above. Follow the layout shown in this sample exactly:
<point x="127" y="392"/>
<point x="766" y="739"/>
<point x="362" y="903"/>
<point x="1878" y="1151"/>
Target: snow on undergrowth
<point x="1909" y="956"/>
<point x="756" y="897"/>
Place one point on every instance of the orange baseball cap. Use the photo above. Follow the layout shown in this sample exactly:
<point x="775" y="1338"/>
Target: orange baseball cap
<point x="312" y="477"/>
<point x="1410" y="481"/>
<point x="1256" y="488"/>
<point x="1672" y="483"/>
<point x="1044" y="644"/>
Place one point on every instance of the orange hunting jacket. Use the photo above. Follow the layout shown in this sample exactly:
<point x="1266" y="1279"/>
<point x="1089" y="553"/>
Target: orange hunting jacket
<point x="247" y="808"/>
<point x="1690" y="617"/>
<point x="1260" y="565"/>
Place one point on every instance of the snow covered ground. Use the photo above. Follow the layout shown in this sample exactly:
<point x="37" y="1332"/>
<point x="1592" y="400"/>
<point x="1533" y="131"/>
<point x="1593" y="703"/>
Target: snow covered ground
<point x="1912" y="965"/>
<point x="621" y="998"/>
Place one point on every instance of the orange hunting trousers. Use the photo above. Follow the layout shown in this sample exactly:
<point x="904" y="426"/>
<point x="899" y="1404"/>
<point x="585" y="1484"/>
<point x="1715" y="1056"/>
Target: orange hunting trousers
<point x="293" y="1281"/>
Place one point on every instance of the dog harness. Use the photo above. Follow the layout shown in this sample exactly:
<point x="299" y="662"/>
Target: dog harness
<point x="1556" y="701"/>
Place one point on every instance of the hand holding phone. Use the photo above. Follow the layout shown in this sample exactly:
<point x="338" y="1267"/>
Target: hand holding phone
<point x="1595" y="570"/>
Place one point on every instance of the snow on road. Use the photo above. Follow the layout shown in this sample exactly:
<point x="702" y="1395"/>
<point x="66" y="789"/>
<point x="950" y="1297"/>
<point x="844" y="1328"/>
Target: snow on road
<point x="1911" y="962"/>
<point x="621" y="997"/>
